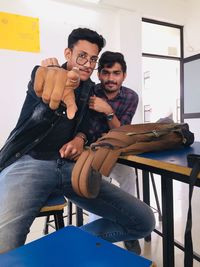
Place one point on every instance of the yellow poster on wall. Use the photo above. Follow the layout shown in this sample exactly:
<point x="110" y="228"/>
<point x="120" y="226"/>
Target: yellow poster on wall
<point x="19" y="33"/>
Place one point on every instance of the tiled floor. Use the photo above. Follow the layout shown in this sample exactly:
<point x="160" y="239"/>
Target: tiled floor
<point x="153" y="249"/>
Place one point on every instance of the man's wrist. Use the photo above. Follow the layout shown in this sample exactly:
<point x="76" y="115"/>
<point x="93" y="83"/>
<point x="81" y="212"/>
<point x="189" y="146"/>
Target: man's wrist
<point x="110" y="116"/>
<point x="82" y="136"/>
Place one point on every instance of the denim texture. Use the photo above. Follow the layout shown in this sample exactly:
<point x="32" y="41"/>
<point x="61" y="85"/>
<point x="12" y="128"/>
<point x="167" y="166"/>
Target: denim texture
<point x="26" y="185"/>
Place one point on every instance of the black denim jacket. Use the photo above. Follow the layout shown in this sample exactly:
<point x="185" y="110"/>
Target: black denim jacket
<point x="36" y="120"/>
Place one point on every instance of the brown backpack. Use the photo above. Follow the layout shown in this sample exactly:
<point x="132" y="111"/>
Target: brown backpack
<point x="102" y="155"/>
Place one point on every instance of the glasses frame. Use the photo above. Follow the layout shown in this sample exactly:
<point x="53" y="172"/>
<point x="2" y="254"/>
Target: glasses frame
<point x="87" y="60"/>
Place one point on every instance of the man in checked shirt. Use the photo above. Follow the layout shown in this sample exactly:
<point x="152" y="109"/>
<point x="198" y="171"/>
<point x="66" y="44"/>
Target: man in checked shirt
<point x="111" y="106"/>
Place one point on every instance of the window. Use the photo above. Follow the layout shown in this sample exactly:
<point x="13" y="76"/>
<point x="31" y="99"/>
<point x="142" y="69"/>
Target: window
<point x="160" y="40"/>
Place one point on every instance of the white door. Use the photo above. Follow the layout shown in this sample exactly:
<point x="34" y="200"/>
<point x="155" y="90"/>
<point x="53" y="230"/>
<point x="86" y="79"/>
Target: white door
<point x="161" y="89"/>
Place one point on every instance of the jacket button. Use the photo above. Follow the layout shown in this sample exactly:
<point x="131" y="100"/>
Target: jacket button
<point x="36" y="140"/>
<point x="17" y="155"/>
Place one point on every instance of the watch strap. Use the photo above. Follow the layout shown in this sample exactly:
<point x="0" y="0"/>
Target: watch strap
<point x="110" y="116"/>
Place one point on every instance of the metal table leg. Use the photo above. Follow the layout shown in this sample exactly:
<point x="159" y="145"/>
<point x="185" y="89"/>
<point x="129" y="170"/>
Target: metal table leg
<point x="146" y="194"/>
<point x="167" y="221"/>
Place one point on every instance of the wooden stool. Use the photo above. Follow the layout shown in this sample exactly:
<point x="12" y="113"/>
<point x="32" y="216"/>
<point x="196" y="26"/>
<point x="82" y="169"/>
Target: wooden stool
<point x="54" y="206"/>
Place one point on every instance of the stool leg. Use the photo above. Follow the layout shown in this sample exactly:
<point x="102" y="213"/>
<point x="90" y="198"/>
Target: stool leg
<point x="137" y="184"/>
<point x="146" y="194"/>
<point x="59" y="221"/>
<point x="69" y="212"/>
<point x="46" y="225"/>
<point x="79" y="216"/>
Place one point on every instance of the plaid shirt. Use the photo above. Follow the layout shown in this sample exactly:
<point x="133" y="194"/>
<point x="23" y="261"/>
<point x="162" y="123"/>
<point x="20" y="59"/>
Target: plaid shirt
<point x="124" y="106"/>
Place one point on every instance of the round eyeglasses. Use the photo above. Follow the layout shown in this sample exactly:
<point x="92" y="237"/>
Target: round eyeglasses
<point x="82" y="59"/>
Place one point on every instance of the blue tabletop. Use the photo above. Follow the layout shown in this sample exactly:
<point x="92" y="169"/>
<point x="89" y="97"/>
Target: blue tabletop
<point x="71" y="247"/>
<point x="177" y="156"/>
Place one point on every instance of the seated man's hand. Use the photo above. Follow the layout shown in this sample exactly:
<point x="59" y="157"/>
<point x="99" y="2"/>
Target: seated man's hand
<point x="100" y="105"/>
<point x="72" y="149"/>
<point x="55" y="85"/>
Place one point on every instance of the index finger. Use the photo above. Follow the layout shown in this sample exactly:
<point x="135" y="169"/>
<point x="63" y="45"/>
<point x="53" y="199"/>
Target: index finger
<point x="59" y="87"/>
<point x="67" y="151"/>
<point x="40" y="76"/>
<point x="72" y="83"/>
<point x="69" y="100"/>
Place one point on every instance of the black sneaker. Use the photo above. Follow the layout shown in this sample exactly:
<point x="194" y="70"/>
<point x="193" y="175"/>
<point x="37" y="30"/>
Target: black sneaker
<point x="133" y="246"/>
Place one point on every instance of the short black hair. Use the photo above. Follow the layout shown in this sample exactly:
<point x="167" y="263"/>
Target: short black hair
<point x="108" y="59"/>
<point x="88" y="35"/>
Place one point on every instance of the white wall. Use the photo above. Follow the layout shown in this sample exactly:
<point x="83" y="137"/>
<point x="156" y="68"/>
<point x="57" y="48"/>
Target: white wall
<point x="56" y="22"/>
<point x="120" y="25"/>
<point x="164" y="10"/>
<point x="191" y="28"/>
<point x="130" y="46"/>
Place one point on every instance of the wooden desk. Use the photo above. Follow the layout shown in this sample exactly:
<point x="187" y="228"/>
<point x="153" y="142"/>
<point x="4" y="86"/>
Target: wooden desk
<point x="71" y="247"/>
<point x="169" y="165"/>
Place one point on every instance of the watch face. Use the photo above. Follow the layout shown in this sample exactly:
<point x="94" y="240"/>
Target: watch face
<point x="110" y="116"/>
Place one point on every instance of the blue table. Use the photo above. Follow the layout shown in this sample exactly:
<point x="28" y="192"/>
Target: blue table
<point x="169" y="161"/>
<point x="71" y="247"/>
<point x="171" y="164"/>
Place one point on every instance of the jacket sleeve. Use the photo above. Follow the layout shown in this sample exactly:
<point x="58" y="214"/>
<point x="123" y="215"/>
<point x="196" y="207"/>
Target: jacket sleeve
<point x="84" y="127"/>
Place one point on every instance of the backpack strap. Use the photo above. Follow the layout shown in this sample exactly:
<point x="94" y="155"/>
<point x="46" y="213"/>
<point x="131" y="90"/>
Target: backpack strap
<point x="77" y="171"/>
<point x="85" y="180"/>
<point x="88" y="170"/>
<point x="105" y="159"/>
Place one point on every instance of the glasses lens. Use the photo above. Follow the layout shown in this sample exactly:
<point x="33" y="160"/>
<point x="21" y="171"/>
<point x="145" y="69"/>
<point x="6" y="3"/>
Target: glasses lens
<point x="83" y="60"/>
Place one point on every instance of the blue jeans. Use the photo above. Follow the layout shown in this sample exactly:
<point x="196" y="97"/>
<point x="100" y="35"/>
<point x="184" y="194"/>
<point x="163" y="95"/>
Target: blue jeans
<point x="26" y="185"/>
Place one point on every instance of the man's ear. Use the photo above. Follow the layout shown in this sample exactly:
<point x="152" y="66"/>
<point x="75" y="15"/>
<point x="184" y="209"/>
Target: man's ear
<point x="125" y="75"/>
<point x="67" y="53"/>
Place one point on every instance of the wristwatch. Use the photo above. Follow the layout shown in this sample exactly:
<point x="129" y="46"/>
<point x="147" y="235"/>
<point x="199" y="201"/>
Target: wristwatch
<point x="110" y="116"/>
<point x="82" y="136"/>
